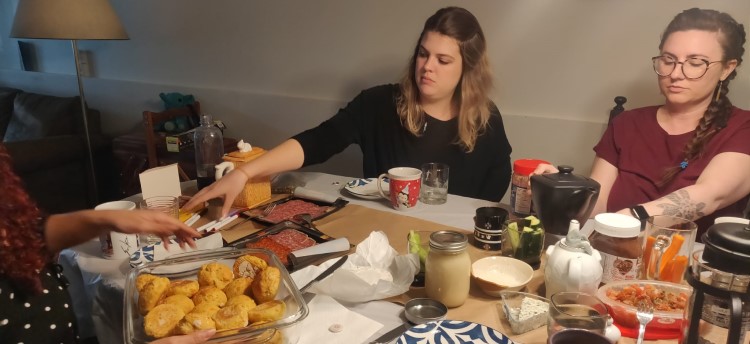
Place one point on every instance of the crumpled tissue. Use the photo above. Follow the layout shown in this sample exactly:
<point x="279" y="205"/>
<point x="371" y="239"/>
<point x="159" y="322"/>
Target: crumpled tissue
<point x="375" y="271"/>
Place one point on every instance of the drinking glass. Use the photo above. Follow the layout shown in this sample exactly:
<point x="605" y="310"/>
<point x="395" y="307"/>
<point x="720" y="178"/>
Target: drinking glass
<point x="575" y="310"/>
<point x="434" y="183"/>
<point x="165" y="204"/>
<point x="667" y="248"/>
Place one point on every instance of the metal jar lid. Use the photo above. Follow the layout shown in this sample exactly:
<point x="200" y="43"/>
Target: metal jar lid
<point x="448" y="241"/>
<point x="728" y="247"/>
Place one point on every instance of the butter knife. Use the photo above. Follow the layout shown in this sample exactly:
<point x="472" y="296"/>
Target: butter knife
<point x="325" y="273"/>
<point x="391" y="335"/>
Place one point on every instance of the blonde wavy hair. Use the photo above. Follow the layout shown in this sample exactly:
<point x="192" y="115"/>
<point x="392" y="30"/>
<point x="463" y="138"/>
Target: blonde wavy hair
<point x="471" y="93"/>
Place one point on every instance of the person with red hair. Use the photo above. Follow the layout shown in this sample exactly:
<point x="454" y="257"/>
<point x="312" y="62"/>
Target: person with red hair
<point x="35" y="306"/>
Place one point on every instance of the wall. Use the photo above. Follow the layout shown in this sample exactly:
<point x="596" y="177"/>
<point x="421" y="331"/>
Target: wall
<point x="271" y="69"/>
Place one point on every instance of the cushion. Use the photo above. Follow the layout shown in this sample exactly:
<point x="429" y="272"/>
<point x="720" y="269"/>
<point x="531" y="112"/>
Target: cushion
<point x="6" y="107"/>
<point x="36" y="116"/>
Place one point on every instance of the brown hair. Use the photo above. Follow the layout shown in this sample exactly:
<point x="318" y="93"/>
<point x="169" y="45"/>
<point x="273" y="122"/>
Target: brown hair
<point x="474" y="86"/>
<point x="732" y="40"/>
<point x="23" y="252"/>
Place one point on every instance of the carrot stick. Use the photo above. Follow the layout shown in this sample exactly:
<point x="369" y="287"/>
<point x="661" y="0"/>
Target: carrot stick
<point x="647" y="255"/>
<point x="674" y="270"/>
<point x="671" y="251"/>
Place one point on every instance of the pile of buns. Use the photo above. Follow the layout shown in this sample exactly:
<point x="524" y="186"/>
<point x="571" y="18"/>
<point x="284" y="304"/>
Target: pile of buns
<point x="222" y="298"/>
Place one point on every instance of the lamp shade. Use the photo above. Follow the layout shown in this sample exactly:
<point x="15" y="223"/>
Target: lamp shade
<point x="67" y="19"/>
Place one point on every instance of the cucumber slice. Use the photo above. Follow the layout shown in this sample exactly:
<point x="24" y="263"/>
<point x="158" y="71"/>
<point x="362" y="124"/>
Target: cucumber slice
<point x="533" y="221"/>
<point x="513" y="235"/>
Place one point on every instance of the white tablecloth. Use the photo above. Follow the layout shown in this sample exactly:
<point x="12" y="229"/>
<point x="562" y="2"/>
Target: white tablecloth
<point x="97" y="284"/>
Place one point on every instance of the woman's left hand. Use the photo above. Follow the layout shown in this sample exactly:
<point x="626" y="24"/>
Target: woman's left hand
<point x="149" y="222"/>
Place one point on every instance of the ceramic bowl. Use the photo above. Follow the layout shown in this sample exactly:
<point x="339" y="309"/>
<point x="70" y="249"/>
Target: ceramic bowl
<point x="496" y="274"/>
<point x="423" y="310"/>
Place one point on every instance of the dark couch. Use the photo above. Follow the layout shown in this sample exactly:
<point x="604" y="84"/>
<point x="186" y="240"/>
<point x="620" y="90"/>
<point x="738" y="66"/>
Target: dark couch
<point x="45" y="137"/>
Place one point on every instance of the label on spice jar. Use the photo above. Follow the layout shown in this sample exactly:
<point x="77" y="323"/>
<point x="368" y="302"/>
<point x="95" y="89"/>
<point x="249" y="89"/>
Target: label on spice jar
<point x="520" y="199"/>
<point x="617" y="268"/>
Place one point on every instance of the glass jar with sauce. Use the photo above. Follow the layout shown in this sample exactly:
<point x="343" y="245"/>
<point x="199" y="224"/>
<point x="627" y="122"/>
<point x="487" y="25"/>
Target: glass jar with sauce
<point x="618" y="239"/>
<point x="448" y="268"/>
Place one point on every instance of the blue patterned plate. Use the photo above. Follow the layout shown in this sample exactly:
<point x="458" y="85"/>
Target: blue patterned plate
<point x="366" y="188"/>
<point x="452" y="332"/>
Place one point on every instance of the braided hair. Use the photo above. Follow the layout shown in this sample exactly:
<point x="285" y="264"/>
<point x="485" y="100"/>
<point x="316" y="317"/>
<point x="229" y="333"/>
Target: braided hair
<point x="732" y="40"/>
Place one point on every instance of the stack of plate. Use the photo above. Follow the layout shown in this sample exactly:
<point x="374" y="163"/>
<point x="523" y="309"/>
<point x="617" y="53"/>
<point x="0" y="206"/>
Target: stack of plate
<point x="366" y="188"/>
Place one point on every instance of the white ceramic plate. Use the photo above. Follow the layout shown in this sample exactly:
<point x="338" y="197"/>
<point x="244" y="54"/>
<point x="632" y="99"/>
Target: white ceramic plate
<point x="452" y="332"/>
<point x="365" y="188"/>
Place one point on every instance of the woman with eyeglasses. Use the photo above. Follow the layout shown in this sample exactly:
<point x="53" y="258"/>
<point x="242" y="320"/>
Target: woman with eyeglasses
<point x="691" y="156"/>
<point x="439" y="112"/>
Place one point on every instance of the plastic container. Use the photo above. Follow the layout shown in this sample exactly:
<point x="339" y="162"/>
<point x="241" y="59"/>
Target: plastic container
<point x="624" y="315"/>
<point x="618" y="239"/>
<point x="448" y="268"/>
<point x="185" y="267"/>
<point x="209" y="147"/>
<point x="520" y="197"/>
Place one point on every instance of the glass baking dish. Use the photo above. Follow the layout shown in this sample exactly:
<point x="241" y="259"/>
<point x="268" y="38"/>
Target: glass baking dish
<point x="185" y="267"/>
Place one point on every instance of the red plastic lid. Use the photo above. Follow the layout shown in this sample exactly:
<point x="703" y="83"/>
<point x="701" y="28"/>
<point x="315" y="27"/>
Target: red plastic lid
<point x="651" y="333"/>
<point x="526" y="166"/>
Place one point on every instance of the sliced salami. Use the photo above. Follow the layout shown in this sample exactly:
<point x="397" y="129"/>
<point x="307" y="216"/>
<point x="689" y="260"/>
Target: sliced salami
<point x="288" y="210"/>
<point x="293" y="239"/>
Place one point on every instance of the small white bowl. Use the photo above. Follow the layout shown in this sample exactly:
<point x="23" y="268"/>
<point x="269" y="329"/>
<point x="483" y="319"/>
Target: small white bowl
<point x="496" y="274"/>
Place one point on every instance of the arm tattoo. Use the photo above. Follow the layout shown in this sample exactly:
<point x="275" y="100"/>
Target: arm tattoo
<point x="681" y="205"/>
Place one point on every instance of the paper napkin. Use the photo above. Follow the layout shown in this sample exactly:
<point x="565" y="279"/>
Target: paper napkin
<point x="161" y="181"/>
<point x="330" y="322"/>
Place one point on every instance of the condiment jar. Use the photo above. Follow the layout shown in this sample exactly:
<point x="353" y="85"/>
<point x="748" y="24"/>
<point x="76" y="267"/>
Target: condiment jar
<point x="618" y="239"/>
<point x="448" y="268"/>
<point x="520" y="198"/>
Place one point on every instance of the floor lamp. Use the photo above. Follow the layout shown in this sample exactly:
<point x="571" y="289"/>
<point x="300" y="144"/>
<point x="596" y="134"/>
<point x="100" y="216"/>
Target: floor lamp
<point x="72" y="20"/>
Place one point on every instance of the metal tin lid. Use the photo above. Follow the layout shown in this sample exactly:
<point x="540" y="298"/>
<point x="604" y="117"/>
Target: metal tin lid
<point x="728" y="247"/>
<point x="617" y="225"/>
<point x="449" y="241"/>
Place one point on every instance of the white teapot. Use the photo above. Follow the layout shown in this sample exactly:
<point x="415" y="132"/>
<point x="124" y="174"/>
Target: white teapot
<point x="572" y="264"/>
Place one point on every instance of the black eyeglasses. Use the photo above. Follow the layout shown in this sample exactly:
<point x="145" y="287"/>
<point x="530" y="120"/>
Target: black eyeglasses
<point x="692" y="68"/>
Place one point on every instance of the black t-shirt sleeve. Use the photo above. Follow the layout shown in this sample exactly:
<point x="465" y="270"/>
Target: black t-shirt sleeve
<point x="498" y="176"/>
<point x="335" y="134"/>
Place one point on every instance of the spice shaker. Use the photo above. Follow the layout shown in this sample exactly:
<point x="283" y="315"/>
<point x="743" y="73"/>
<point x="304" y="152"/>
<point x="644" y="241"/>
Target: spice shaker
<point x="448" y="268"/>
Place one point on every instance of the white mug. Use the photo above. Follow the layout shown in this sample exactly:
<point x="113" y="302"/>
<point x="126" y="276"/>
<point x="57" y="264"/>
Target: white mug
<point x="116" y="245"/>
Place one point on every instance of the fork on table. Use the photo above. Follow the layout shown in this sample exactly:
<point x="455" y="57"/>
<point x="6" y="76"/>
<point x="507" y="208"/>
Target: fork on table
<point x="266" y="211"/>
<point x="645" y="314"/>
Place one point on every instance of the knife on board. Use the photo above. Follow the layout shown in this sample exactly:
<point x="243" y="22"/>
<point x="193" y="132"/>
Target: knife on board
<point x="325" y="273"/>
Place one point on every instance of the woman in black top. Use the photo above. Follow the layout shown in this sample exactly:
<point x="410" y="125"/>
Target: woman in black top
<point x="439" y="112"/>
<point x="35" y="306"/>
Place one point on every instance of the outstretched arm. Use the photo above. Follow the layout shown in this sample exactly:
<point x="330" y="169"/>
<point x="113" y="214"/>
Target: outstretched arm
<point x="66" y="230"/>
<point x="725" y="180"/>
<point x="285" y="157"/>
<point x="604" y="173"/>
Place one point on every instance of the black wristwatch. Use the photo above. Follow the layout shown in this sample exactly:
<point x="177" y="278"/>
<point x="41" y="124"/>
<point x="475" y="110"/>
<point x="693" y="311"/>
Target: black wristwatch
<point x="640" y="213"/>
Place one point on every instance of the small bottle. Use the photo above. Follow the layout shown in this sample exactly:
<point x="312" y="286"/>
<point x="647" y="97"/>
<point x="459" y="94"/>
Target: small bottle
<point x="448" y="268"/>
<point x="209" y="148"/>
<point x="520" y="198"/>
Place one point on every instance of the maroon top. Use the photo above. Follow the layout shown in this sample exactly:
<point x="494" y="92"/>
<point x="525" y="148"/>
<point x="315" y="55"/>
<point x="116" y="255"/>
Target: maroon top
<point x="642" y="151"/>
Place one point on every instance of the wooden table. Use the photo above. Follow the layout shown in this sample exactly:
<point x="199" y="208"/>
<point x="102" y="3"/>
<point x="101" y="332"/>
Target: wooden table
<point x="479" y="307"/>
